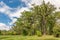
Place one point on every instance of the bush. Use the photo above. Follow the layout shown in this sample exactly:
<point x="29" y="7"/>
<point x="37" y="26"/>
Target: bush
<point x="56" y="31"/>
<point x="38" y="33"/>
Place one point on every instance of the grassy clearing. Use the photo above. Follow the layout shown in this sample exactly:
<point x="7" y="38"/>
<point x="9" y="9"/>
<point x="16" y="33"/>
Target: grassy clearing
<point x="17" y="37"/>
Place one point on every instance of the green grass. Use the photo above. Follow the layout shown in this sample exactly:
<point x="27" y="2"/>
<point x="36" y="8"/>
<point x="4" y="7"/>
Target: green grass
<point x="18" y="37"/>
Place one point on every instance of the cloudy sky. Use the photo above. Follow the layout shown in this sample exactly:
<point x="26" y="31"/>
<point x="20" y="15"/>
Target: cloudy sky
<point x="11" y="9"/>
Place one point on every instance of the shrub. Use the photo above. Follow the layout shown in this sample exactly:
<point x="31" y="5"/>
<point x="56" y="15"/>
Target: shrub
<point x="38" y="33"/>
<point x="56" y="31"/>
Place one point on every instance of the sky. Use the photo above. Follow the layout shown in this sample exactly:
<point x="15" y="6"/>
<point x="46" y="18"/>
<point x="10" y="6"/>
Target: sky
<point x="10" y="10"/>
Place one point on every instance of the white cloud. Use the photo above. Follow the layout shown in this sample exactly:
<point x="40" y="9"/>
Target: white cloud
<point x="29" y="2"/>
<point x="4" y="26"/>
<point x="17" y="14"/>
<point x="7" y="10"/>
<point x="38" y="2"/>
<point x="4" y="8"/>
<point x="54" y="2"/>
<point x="13" y="21"/>
<point x="26" y="1"/>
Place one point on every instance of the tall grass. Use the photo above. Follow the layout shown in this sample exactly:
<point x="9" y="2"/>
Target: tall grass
<point x="18" y="37"/>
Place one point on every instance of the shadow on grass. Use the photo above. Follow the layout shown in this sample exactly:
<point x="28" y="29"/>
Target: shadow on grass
<point x="4" y="37"/>
<point x="50" y="39"/>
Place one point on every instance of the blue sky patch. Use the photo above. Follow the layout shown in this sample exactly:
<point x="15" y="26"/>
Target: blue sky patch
<point x="14" y="3"/>
<point x="4" y="18"/>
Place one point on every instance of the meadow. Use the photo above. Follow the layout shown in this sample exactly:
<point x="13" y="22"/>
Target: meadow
<point x="18" y="37"/>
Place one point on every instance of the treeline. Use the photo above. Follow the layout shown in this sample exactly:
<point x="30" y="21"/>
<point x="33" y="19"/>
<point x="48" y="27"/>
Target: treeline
<point x="40" y="20"/>
<point x="7" y="32"/>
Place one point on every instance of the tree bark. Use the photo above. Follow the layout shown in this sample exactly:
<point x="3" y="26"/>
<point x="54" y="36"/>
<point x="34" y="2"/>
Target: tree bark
<point x="44" y="26"/>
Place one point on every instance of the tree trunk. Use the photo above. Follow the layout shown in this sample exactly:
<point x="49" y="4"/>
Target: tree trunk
<point x="44" y="26"/>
